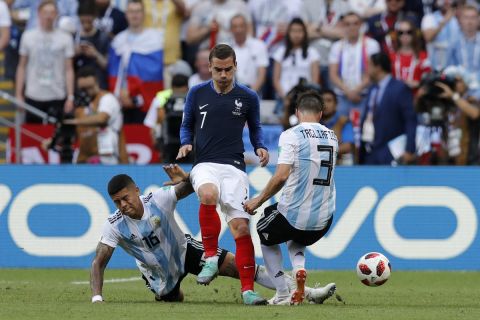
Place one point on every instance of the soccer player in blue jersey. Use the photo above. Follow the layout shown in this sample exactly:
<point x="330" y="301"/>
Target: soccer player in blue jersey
<point x="214" y="117"/>
<point x="145" y="227"/>
<point x="306" y="163"/>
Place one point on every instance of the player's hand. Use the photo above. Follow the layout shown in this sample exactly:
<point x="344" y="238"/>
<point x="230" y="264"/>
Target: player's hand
<point x="175" y="173"/>
<point x="251" y="205"/>
<point x="184" y="150"/>
<point x="263" y="156"/>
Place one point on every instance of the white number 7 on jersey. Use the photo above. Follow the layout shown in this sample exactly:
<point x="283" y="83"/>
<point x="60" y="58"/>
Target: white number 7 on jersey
<point x="204" y="114"/>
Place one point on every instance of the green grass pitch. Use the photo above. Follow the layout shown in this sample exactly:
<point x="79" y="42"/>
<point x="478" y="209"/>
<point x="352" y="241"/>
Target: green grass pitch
<point x="51" y="294"/>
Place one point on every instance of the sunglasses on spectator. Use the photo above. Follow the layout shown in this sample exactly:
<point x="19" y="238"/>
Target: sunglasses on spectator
<point x="400" y="32"/>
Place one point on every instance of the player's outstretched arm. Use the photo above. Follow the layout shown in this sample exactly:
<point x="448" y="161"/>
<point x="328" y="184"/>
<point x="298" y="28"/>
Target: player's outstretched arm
<point x="180" y="179"/>
<point x="273" y="186"/>
<point x="103" y="255"/>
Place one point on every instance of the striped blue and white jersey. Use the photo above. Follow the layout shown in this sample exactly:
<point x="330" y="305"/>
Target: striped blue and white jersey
<point x="308" y="197"/>
<point x="156" y="241"/>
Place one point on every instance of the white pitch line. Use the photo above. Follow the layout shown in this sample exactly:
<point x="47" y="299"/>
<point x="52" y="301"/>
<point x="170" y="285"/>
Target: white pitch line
<point x="110" y="280"/>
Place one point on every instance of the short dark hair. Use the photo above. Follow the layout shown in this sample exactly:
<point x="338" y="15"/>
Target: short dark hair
<point x="119" y="182"/>
<point x="179" y="80"/>
<point x="382" y="60"/>
<point x="87" y="71"/>
<point x="136" y="1"/>
<point x="311" y="102"/>
<point x="86" y="8"/>
<point x="222" y="52"/>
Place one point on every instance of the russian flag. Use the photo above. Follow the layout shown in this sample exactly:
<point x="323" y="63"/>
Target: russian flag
<point x="140" y="56"/>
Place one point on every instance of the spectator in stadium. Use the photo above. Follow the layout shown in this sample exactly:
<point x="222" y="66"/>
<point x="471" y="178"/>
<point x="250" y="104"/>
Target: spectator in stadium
<point x="98" y="118"/>
<point x="270" y="19"/>
<point x="165" y="117"/>
<point x="381" y="26"/>
<point x="65" y="8"/>
<point x="304" y="213"/>
<point x="440" y="29"/>
<point x="5" y="23"/>
<point x="459" y="140"/>
<point x="465" y="51"/>
<point x="252" y="55"/>
<point x="91" y="44"/>
<point x="389" y="117"/>
<point x="167" y="16"/>
<point x="109" y="19"/>
<point x="409" y="61"/>
<point x="367" y="8"/>
<point x="45" y="68"/>
<point x="215" y="114"/>
<point x="348" y="63"/>
<point x="184" y="254"/>
<point x="323" y="19"/>
<point x="135" y="64"/>
<point x="210" y="22"/>
<point x="341" y="125"/>
<point x="295" y="60"/>
<point x="202" y="66"/>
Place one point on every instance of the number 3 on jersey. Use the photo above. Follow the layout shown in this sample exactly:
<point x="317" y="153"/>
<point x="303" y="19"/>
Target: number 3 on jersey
<point x="204" y="115"/>
<point x="325" y="163"/>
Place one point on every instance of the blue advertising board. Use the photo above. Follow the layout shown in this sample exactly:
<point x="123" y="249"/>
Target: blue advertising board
<point x="419" y="217"/>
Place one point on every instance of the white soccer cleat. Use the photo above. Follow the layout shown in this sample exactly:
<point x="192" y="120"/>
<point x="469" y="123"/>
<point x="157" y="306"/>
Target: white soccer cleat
<point x="318" y="295"/>
<point x="280" y="300"/>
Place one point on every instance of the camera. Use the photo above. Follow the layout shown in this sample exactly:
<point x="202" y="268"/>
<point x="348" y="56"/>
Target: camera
<point x="82" y="99"/>
<point x="63" y="138"/>
<point x="431" y="103"/>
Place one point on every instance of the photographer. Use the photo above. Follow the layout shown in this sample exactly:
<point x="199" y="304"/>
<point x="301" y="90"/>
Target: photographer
<point x="450" y="112"/>
<point x="98" y="118"/>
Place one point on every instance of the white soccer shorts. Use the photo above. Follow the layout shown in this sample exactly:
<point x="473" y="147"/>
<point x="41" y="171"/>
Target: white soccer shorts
<point x="232" y="185"/>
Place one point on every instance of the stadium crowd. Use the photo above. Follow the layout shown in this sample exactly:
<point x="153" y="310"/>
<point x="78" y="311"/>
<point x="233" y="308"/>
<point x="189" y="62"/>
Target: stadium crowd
<point x="142" y="56"/>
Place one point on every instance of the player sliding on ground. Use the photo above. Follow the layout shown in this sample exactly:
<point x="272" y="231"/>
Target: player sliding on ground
<point x="304" y="214"/>
<point x="145" y="227"/>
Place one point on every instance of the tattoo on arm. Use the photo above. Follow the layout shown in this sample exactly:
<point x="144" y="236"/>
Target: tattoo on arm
<point x="184" y="189"/>
<point x="103" y="255"/>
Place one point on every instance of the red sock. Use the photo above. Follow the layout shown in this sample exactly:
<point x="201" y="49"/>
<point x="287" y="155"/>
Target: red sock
<point x="210" y="226"/>
<point x="245" y="261"/>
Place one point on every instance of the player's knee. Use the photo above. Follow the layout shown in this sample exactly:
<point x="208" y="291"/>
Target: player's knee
<point x="208" y="194"/>
<point x="241" y="230"/>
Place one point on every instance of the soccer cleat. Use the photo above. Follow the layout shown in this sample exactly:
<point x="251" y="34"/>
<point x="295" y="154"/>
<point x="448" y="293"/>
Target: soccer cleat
<point x="299" y="294"/>
<point x="208" y="273"/>
<point x="319" y="294"/>
<point x="252" y="298"/>
<point x="279" y="300"/>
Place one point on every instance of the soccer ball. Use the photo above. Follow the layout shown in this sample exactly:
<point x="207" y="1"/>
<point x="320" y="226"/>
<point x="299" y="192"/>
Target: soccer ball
<point x="373" y="269"/>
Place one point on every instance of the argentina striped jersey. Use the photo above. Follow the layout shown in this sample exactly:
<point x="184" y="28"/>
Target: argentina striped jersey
<point x="156" y="241"/>
<point x="308" y="197"/>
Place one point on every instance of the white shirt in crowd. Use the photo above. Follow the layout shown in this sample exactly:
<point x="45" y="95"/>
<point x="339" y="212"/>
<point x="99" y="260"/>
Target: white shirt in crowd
<point x="352" y="59"/>
<point x="295" y="66"/>
<point x="5" y="20"/>
<point x="251" y="55"/>
<point x="46" y="52"/>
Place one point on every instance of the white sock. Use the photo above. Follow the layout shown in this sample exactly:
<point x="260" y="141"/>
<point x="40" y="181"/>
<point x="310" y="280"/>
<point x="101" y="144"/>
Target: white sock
<point x="213" y="259"/>
<point x="296" y="252"/>
<point x="273" y="262"/>
<point x="262" y="278"/>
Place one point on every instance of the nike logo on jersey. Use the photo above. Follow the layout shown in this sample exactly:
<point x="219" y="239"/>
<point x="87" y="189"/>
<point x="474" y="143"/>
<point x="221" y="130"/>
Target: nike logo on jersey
<point x="201" y="107"/>
<point x="238" y="103"/>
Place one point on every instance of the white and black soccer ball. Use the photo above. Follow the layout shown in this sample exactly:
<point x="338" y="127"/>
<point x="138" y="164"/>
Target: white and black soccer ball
<point x="373" y="269"/>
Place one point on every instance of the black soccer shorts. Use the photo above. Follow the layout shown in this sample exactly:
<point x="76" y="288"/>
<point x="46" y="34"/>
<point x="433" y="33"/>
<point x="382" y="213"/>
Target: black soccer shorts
<point x="273" y="228"/>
